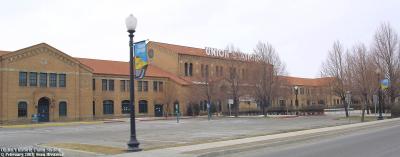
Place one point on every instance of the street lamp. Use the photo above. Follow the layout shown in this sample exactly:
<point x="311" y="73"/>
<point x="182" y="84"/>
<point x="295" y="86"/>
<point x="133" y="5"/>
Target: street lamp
<point x="378" y="72"/>
<point x="133" y="144"/>
<point x="296" y="92"/>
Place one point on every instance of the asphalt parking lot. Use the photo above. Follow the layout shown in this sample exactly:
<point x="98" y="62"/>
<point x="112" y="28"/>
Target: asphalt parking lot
<point x="162" y="133"/>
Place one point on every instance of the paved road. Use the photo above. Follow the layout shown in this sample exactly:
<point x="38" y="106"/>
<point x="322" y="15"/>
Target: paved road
<point x="374" y="142"/>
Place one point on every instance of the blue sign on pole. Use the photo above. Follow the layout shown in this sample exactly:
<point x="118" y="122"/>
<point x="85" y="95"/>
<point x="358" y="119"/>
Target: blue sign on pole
<point x="385" y="84"/>
<point x="141" y="60"/>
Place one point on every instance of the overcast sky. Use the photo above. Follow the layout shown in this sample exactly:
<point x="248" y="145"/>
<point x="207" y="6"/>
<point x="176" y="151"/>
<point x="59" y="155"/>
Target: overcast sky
<point x="302" y="31"/>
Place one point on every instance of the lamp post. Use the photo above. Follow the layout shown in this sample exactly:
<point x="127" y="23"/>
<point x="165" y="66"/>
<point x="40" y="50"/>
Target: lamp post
<point x="133" y="144"/>
<point x="380" y="117"/>
<point x="296" y="92"/>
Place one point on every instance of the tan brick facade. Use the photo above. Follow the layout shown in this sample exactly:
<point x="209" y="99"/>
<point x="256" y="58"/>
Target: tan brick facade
<point x="168" y="83"/>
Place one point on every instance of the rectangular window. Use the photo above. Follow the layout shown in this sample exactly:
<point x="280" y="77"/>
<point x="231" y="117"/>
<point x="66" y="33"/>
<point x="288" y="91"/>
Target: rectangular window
<point x="62" y="80"/>
<point x="122" y="85"/>
<point x="33" y="79"/>
<point x="62" y="109"/>
<point x="111" y="85"/>
<point x="108" y="107"/>
<point x="94" y="84"/>
<point x="128" y="87"/>
<point x="202" y="70"/>
<point x="221" y="71"/>
<point x="43" y="79"/>
<point x="232" y="73"/>
<point x="243" y="74"/>
<point x="22" y="109"/>
<point x="53" y="80"/>
<point x="23" y="78"/>
<point x="155" y="86"/>
<point x="206" y="71"/>
<point x="139" y="86"/>
<point x="190" y="69"/>
<point x="145" y="86"/>
<point x="160" y="86"/>
<point x="217" y="70"/>
<point x="186" y="69"/>
<point x="104" y="84"/>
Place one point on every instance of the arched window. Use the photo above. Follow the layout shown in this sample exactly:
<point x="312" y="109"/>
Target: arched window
<point x="62" y="108"/>
<point x="108" y="107"/>
<point x="125" y="107"/>
<point x="142" y="106"/>
<point x="22" y="109"/>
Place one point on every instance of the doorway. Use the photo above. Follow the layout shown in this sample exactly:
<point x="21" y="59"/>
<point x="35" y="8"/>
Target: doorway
<point x="43" y="109"/>
<point x="158" y="110"/>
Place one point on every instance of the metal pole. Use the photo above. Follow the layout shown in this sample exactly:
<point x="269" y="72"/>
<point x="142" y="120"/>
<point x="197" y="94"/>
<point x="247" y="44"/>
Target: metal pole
<point x="230" y="112"/>
<point x="380" y="117"/>
<point x="177" y="113"/>
<point x="133" y="144"/>
<point x="296" y="101"/>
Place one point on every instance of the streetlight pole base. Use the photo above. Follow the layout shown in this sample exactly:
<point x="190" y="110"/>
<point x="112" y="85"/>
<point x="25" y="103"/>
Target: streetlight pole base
<point x="133" y="146"/>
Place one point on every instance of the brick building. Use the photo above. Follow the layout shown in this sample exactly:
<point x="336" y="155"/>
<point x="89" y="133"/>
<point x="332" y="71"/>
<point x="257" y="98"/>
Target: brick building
<point x="43" y="80"/>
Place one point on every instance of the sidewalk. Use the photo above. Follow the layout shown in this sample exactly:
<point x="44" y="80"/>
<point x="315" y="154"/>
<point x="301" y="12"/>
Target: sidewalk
<point x="184" y="151"/>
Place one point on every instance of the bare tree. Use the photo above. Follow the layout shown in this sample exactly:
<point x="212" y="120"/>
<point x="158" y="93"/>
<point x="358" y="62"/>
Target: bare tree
<point x="233" y="77"/>
<point x="265" y="74"/>
<point x="362" y="71"/>
<point x="209" y="87"/>
<point x="386" y="50"/>
<point x="336" y="66"/>
<point x="169" y="98"/>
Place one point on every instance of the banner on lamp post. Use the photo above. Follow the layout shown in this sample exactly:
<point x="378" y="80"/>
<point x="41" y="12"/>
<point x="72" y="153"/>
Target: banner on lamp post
<point x="141" y="59"/>
<point x="384" y="84"/>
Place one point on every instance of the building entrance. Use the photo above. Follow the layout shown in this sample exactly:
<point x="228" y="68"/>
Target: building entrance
<point x="158" y="110"/>
<point x="43" y="109"/>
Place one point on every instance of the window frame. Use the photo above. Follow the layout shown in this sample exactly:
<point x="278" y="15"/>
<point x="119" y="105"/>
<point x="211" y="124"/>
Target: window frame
<point x="43" y="80"/>
<point x="104" y="84"/>
<point x="160" y="86"/>
<point x="143" y="106"/>
<point x="122" y="85"/>
<point x="22" y="112"/>
<point x="62" y="109"/>
<point x="155" y="86"/>
<point x="23" y="79"/>
<point x="108" y="107"/>
<point x="125" y="110"/>
<point x="111" y="85"/>
<point x="53" y="80"/>
<point x="62" y="80"/>
<point x="139" y="86"/>
<point x="33" y="81"/>
<point x="145" y="86"/>
<point x="93" y="84"/>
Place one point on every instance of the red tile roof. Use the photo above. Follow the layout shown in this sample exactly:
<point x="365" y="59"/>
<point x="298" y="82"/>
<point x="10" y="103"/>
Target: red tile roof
<point x="324" y="81"/>
<point x="182" y="49"/>
<point x="122" y="68"/>
<point x="3" y="52"/>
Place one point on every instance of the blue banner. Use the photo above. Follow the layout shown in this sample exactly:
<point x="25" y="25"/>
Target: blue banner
<point x="141" y="60"/>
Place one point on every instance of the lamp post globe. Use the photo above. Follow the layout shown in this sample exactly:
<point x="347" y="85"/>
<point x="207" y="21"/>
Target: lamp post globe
<point x="133" y="144"/>
<point x="131" y="23"/>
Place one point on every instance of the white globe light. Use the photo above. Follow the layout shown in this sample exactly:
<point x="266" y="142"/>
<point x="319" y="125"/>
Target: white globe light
<point x="131" y="22"/>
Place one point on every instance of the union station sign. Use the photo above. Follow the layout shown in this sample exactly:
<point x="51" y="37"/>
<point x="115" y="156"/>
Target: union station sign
<point x="214" y="52"/>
